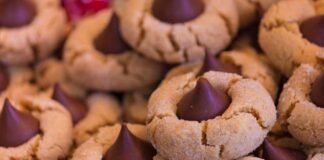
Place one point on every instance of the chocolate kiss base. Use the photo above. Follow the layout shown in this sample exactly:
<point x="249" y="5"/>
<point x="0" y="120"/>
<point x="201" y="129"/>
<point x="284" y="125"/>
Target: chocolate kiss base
<point x="16" y="13"/>
<point x="16" y="127"/>
<point x="271" y="152"/>
<point x="177" y="11"/>
<point x="203" y="102"/>
<point x="313" y="29"/>
<point x="317" y="91"/>
<point x="212" y="64"/>
<point x="110" y="39"/>
<point x="127" y="147"/>
<point x="77" y="108"/>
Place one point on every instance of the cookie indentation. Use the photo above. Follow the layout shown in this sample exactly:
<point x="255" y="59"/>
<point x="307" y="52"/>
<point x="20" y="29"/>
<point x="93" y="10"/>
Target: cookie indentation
<point x="16" y="127"/>
<point x="313" y="30"/>
<point x="203" y="102"/>
<point x="316" y="93"/>
<point x="16" y="13"/>
<point x="177" y="11"/>
<point x="127" y="146"/>
<point x="110" y="39"/>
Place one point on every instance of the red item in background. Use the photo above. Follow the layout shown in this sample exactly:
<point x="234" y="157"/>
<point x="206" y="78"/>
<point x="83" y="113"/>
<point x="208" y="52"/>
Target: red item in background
<point x="76" y="9"/>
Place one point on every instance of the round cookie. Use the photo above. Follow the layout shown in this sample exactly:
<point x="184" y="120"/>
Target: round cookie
<point x="298" y="113"/>
<point x="34" y="36"/>
<point x="291" y="37"/>
<point x="52" y="71"/>
<point x="116" y="140"/>
<point x="54" y="138"/>
<point x="235" y="131"/>
<point x="103" y="110"/>
<point x="97" y="44"/>
<point x="88" y="113"/>
<point x="16" y="83"/>
<point x="135" y="106"/>
<point x="251" y="64"/>
<point x="250" y="11"/>
<point x="178" y="31"/>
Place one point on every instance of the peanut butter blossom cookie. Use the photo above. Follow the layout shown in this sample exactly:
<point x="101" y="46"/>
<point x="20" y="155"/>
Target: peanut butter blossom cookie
<point x="30" y="29"/>
<point x="118" y="142"/>
<point x="215" y="116"/>
<point x="96" y="57"/>
<point x="295" y="36"/>
<point x="301" y="106"/>
<point x="176" y="31"/>
<point x="34" y="128"/>
<point x="88" y="115"/>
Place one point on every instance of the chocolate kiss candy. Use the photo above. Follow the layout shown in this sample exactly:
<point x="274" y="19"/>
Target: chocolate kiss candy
<point x="212" y="64"/>
<point x="4" y="78"/>
<point x="127" y="147"/>
<point x="317" y="91"/>
<point x="313" y="30"/>
<point x="203" y="102"/>
<point x="177" y="11"/>
<point x="272" y="152"/>
<point x="16" y="13"/>
<point x="16" y="127"/>
<point x="76" y="107"/>
<point x="110" y="39"/>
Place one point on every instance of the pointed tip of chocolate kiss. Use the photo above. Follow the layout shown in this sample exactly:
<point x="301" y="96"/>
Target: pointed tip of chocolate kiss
<point x="4" y="78"/>
<point x="16" y="127"/>
<point x="16" y="13"/>
<point x="212" y="64"/>
<point x="317" y="91"/>
<point x="76" y="107"/>
<point x="313" y="29"/>
<point x="272" y="152"/>
<point x="127" y="146"/>
<point x="203" y="102"/>
<point x="177" y="11"/>
<point x="110" y="39"/>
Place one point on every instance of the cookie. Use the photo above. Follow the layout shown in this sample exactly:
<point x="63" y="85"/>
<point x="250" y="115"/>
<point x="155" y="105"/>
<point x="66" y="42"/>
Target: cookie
<point x="34" y="36"/>
<point x="16" y="82"/>
<point x="251" y="11"/>
<point x="215" y="116"/>
<point x="250" y="64"/>
<point x="103" y="110"/>
<point x="52" y="71"/>
<point x="97" y="44"/>
<point x="135" y="106"/>
<point x="178" y="31"/>
<point x="47" y="133"/>
<point x="291" y="37"/>
<point x="299" y="110"/>
<point x="127" y="141"/>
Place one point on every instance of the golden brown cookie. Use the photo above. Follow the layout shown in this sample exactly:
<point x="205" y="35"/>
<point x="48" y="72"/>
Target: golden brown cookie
<point x="55" y="137"/>
<point x="103" y="110"/>
<point x="251" y="10"/>
<point x="135" y="106"/>
<point x="96" y="147"/>
<point x="123" y="70"/>
<point x="297" y="112"/>
<point x="233" y="134"/>
<point x="35" y="40"/>
<point x="291" y="37"/>
<point x="148" y="28"/>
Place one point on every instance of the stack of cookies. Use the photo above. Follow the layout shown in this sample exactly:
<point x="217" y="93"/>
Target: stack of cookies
<point x="162" y="80"/>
